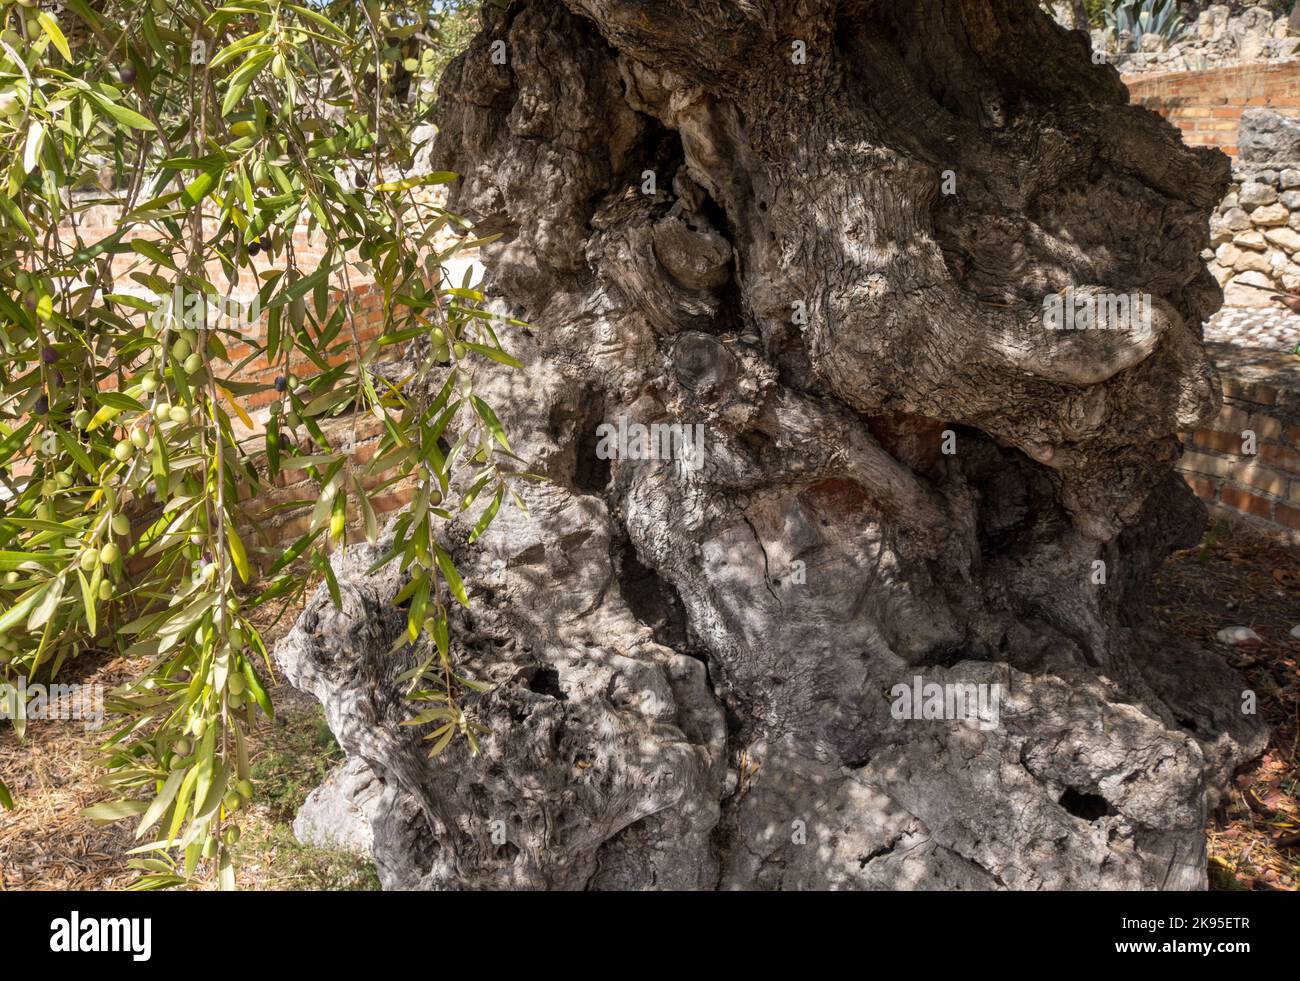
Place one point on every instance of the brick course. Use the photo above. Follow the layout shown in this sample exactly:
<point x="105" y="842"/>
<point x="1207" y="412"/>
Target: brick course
<point x="1207" y="105"/>
<point x="1264" y="487"/>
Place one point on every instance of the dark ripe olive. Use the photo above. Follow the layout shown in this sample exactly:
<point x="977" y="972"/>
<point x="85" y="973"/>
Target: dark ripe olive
<point x="42" y="406"/>
<point x="127" y="74"/>
<point x="362" y="179"/>
<point x="254" y="248"/>
<point x="49" y="355"/>
<point x="281" y="383"/>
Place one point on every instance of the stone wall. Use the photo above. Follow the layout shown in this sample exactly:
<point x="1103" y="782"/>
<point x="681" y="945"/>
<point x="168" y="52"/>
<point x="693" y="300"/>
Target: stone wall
<point x="1219" y="36"/>
<point x="1256" y="235"/>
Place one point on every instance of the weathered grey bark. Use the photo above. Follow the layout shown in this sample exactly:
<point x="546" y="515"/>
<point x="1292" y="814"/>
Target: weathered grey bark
<point x="674" y="707"/>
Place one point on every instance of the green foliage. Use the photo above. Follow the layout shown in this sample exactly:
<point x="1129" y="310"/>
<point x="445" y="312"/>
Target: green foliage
<point x="289" y="864"/>
<point x="210" y="135"/>
<point x="298" y="754"/>
<point x="1142" y="17"/>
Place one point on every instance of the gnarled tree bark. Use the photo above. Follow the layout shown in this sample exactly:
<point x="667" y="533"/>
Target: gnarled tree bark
<point x="694" y="666"/>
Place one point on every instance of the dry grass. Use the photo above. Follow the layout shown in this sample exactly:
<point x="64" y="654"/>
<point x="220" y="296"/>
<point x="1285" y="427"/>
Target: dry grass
<point x="53" y="773"/>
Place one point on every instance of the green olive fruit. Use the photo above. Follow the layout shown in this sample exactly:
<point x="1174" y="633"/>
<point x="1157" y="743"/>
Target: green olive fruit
<point x="110" y="553"/>
<point x="149" y="383"/>
<point x="82" y="419"/>
<point x="105" y="591"/>
<point x="459" y="350"/>
<point x="237" y="637"/>
<point x="162" y="411"/>
<point x="278" y="67"/>
<point x="123" y="451"/>
<point x="181" y="349"/>
<point x="193" y="364"/>
<point x="182" y="747"/>
<point x="198" y="727"/>
<point x="89" y="559"/>
<point x="49" y="488"/>
<point x="63" y="479"/>
<point x="245" y="789"/>
<point x="12" y="577"/>
<point x="232" y="835"/>
<point x="179" y="414"/>
<point x="232" y="802"/>
<point x="121" y="524"/>
<point x="236" y="684"/>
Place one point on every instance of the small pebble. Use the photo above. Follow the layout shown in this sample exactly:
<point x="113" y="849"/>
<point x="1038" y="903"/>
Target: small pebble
<point x="1239" y="637"/>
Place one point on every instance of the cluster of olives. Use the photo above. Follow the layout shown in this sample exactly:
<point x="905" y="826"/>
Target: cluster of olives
<point x="286" y="384"/>
<point x="442" y="351"/>
<point x="185" y="352"/>
<point x="108" y="553"/>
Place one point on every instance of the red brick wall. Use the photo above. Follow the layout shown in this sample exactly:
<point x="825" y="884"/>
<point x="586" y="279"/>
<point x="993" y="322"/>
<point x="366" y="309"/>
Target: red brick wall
<point x="367" y="313"/>
<point x="273" y="521"/>
<point x="1263" y="487"/>
<point x="1207" y="105"/>
<point x="273" y="525"/>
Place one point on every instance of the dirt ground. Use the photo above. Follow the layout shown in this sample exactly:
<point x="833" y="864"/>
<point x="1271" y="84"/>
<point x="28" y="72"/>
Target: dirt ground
<point x="1235" y="578"/>
<point x="1232" y="579"/>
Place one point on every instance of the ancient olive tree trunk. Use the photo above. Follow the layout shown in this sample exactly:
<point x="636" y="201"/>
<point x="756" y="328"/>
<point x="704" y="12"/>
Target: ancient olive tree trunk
<point x="821" y="232"/>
